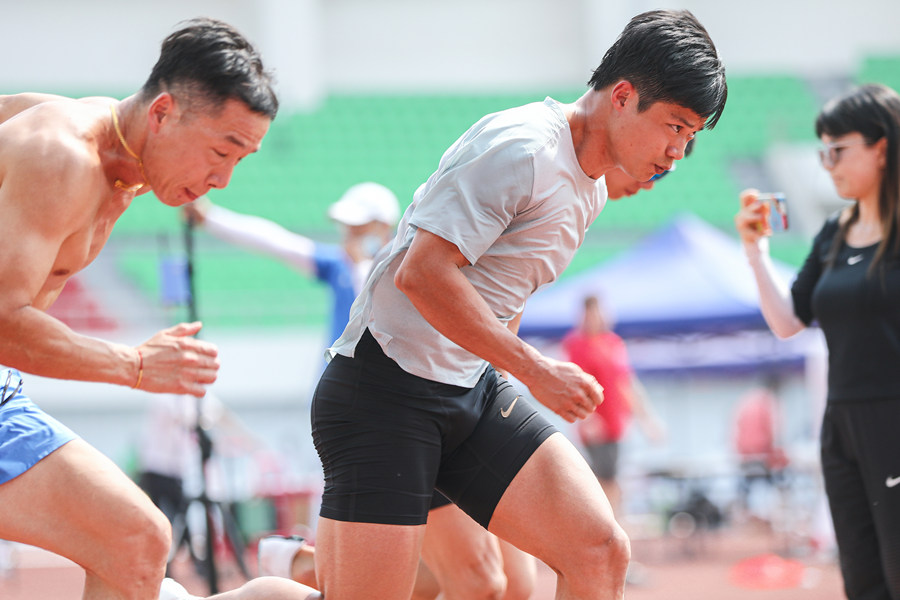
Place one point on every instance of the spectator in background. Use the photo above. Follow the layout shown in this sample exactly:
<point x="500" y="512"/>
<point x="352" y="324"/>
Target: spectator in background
<point x="164" y="448"/>
<point x="170" y="454"/>
<point x="756" y="439"/>
<point x="597" y="349"/>
<point x="850" y="285"/>
<point x="366" y="215"/>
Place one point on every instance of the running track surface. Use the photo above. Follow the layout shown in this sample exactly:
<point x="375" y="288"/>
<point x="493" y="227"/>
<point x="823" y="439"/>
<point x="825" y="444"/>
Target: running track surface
<point x="746" y="564"/>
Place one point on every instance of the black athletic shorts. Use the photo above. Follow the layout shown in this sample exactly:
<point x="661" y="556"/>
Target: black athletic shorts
<point x="438" y="500"/>
<point x="387" y="439"/>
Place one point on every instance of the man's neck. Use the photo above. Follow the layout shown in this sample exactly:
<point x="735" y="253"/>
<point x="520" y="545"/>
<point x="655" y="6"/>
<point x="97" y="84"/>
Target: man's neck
<point x="587" y="122"/>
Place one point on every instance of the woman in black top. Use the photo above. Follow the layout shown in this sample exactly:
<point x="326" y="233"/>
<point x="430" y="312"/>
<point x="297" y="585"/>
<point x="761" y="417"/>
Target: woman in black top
<point x="850" y="286"/>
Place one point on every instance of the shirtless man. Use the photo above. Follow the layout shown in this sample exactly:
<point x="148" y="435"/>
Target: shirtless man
<point x="68" y="170"/>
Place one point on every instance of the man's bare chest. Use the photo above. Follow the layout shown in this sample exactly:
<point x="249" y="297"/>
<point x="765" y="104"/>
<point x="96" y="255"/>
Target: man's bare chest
<point x="76" y="252"/>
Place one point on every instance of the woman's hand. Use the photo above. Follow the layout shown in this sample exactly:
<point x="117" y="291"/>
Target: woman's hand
<point x="752" y="220"/>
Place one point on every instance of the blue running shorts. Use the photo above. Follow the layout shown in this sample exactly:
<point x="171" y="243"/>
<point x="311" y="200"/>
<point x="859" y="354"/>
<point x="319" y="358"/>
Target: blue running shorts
<point x="27" y="434"/>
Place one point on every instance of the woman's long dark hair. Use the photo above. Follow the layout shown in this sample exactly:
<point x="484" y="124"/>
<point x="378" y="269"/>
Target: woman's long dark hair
<point x="872" y="110"/>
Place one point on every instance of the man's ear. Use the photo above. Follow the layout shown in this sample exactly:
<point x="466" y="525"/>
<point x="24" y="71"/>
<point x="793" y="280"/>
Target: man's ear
<point x="161" y="108"/>
<point x="622" y="93"/>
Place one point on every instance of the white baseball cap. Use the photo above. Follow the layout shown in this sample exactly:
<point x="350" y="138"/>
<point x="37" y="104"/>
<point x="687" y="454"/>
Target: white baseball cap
<point x="364" y="203"/>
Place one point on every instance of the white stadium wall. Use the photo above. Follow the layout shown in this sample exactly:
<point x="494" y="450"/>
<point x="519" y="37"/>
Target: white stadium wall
<point x="316" y="46"/>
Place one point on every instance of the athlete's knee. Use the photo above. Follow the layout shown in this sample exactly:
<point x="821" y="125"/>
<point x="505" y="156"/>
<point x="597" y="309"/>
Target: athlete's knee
<point x="157" y="535"/>
<point x="143" y="549"/>
<point x="616" y="548"/>
<point x="602" y="557"/>
<point x="477" y="579"/>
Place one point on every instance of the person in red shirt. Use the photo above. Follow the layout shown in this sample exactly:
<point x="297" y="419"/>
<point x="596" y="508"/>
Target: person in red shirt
<point x="599" y="351"/>
<point x="756" y="438"/>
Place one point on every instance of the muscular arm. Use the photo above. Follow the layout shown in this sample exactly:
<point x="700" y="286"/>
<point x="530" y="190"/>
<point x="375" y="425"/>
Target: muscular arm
<point x="430" y="277"/>
<point x="33" y="230"/>
<point x="49" y="200"/>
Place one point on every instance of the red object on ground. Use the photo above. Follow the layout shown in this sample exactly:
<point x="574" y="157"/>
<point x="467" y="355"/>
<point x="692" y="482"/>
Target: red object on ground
<point x="767" y="571"/>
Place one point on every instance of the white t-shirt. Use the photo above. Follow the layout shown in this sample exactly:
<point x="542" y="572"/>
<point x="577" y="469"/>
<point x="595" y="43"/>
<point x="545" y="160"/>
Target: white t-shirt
<point x="512" y="197"/>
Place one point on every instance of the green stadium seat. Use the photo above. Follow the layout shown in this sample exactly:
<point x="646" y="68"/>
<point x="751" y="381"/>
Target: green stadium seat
<point x="881" y="69"/>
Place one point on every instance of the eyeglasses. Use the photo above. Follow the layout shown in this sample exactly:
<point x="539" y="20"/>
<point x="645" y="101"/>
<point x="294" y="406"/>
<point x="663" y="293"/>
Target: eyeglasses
<point x="659" y="176"/>
<point x="830" y="154"/>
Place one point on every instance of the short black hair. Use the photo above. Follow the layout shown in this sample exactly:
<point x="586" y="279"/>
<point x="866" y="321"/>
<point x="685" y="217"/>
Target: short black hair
<point x="213" y="61"/>
<point x="668" y="56"/>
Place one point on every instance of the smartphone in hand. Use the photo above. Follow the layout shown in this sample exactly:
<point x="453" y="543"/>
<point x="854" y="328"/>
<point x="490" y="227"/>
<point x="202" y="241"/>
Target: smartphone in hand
<point x="774" y="208"/>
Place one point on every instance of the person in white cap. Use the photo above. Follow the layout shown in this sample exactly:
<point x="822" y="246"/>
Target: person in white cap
<point x="366" y="214"/>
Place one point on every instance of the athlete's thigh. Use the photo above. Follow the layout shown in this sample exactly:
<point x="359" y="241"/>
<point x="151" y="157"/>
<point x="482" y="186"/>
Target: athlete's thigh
<point x="74" y="502"/>
<point x="367" y="560"/>
<point x="476" y="471"/>
<point x="553" y="504"/>
<point x="378" y="434"/>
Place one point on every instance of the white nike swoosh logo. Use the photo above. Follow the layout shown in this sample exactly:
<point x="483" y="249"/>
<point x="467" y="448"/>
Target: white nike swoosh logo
<point x="505" y="413"/>
<point x="854" y="259"/>
<point x="892" y="481"/>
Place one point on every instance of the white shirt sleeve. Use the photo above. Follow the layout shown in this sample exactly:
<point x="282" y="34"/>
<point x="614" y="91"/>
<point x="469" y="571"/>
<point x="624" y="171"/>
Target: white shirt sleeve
<point x="261" y="235"/>
<point x="473" y="199"/>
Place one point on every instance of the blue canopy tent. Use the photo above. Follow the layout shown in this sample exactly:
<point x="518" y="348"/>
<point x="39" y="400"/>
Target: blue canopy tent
<point x="686" y="282"/>
<point x="685" y="300"/>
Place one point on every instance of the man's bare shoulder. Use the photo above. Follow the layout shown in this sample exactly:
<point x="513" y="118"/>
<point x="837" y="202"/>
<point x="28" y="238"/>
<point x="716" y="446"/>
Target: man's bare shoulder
<point x="54" y="128"/>
<point x="13" y="104"/>
<point x="50" y="149"/>
<point x="19" y="104"/>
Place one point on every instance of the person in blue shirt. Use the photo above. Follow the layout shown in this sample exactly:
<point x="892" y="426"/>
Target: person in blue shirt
<point x="366" y="215"/>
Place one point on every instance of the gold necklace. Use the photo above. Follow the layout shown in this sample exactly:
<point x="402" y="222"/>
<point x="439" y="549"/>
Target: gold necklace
<point x="119" y="183"/>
